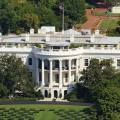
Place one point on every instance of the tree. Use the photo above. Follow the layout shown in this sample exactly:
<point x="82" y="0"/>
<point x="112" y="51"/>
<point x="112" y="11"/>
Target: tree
<point x="3" y="90"/>
<point x="107" y="107"/>
<point x="95" y="73"/>
<point x="91" y="76"/>
<point x="74" y="11"/>
<point x="8" y="16"/>
<point x="30" y="20"/>
<point x="45" y="14"/>
<point x="16" y="76"/>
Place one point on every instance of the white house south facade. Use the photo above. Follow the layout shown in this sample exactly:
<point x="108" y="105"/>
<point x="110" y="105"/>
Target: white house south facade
<point x="56" y="68"/>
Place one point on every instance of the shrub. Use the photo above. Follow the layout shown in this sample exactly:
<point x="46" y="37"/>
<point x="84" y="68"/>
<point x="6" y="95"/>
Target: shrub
<point x="99" y="45"/>
<point x="91" y="45"/>
<point x="106" y="45"/>
<point x="49" y="95"/>
<point x="70" y="95"/>
<point x="4" y="43"/>
<point x="38" y="45"/>
<point x="115" y="45"/>
<point x="73" y="97"/>
<point x="18" y="32"/>
<point x="16" y="44"/>
<point x="81" y="45"/>
<point x="17" y="99"/>
<point x="89" y="6"/>
<point x="25" y="44"/>
<point x="60" y="95"/>
<point x="9" y="44"/>
<point x="73" y="46"/>
<point x="85" y="45"/>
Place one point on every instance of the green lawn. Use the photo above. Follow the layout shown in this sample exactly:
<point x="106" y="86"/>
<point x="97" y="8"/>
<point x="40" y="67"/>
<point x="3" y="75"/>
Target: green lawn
<point x="107" y="23"/>
<point x="103" y="14"/>
<point x="44" y="115"/>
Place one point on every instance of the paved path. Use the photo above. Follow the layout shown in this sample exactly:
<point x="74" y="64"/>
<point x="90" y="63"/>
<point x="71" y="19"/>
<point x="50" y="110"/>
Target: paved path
<point x="47" y="102"/>
<point x="92" y="18"/>
<point x="58" y="100"/>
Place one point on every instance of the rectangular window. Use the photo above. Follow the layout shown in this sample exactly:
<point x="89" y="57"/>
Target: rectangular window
<point x="29" y="61"/>
<point x="40" y="64"/>
<point x="40" y="76"/>
<point x="57" y="78"/>
<point x="48" y="78"/>
<point x="66" y="63"/>
<point x="66" y="77"/>
<point x="86" y="62"/>
<point x="48" y="63"/>
<point x="56" y="63"/>
<point x="74" y="62"/>
<point x="118" y="63"/>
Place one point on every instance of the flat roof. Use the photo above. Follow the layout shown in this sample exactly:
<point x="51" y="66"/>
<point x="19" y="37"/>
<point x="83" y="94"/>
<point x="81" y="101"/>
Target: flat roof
<point x="62" y="44"/>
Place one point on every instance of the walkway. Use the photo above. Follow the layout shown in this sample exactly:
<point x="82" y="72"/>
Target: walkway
<point x="51" y="99"/>
<point x="42" y="102"/>
<point x="92" y="18"/>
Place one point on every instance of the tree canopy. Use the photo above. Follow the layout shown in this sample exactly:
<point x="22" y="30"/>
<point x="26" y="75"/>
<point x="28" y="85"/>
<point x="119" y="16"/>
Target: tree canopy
<point x="18" y="16"/>
<point x="14" y="75"/>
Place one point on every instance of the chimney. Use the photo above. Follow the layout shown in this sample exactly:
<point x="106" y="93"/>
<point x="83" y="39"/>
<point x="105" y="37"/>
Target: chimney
<point x="27" y="37"/>
<point x="31" y="31"/>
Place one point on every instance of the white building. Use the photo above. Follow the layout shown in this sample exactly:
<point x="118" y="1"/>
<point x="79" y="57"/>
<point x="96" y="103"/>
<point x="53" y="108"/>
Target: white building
<point x="55" y="68"/>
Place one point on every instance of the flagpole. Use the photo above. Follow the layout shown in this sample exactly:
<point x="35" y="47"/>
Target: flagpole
<point x="63" y="21"/>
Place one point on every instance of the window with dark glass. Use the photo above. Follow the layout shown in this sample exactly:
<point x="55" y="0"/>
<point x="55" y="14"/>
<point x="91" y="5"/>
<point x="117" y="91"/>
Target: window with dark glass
<point x="74" y="62"/>
<point x="57" y="78"/>
<point x="57" y="63"/>
<point x="74" y="77"/>
<point x="48" y="78"/>
<point x="86" y="62"/>
<point x="66" y="63"/>
<point x="40" y="76"/>
<point x="66" y="77"/>
<point x="118" y="63"/>
<point x="30" y="61"/>
<point x="40" y="63"/>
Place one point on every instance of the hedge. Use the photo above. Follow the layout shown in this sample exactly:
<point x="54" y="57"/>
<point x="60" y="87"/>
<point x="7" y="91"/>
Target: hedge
<point x="18" y="99"/>
<point x="79" y="100"/>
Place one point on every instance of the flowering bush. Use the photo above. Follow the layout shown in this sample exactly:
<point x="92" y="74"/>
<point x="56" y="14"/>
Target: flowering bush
<point x="94" y="28"/>
<point x="97" y="24"/>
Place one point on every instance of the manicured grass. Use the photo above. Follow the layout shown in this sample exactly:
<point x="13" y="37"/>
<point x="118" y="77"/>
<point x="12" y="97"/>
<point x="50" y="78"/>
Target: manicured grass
<point x="103" y="14"/>
<point x="44" y="115"/>
<point x="107" y="23"/>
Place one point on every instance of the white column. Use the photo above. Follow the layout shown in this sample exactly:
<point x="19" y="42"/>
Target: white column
<point x="69" y="80"/>
<point x="50" y="85"/>
<point x="60" y="73"/>
<point x="24" y="60"/>
<point x="37" y="78"/>
<point x="76" y="70"/>
<point x="42" y="72"/>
